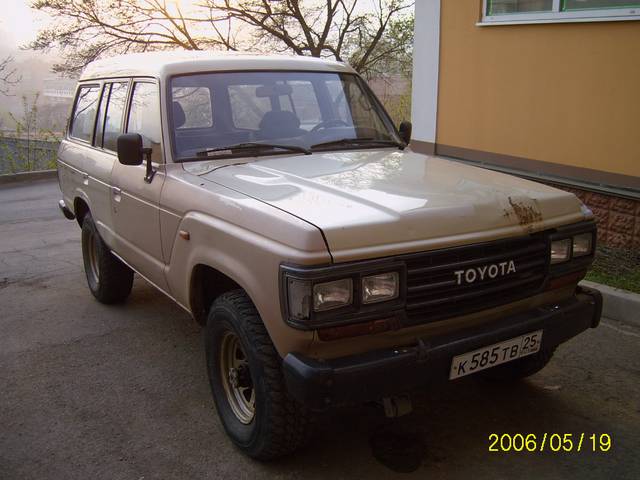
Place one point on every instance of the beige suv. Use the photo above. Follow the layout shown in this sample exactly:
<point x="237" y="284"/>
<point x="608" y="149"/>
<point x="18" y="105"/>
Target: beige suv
<point x="274" y="200"/>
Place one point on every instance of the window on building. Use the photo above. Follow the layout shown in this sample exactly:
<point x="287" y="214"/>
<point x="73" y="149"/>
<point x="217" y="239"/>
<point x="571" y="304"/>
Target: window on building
<point x="584" y="4"/>
<point x="84" y="113"/>
<point x="144" y="117"/>
<point x="500" y="7"/>
<point x="535" y="11"/>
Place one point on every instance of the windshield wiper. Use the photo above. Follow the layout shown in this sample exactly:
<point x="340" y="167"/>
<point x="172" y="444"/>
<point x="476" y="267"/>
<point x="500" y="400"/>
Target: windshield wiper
<point x="250" y="146"/>
<point x="358" y="142"/>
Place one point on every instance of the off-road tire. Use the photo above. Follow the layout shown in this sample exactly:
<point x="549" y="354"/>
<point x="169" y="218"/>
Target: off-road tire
<point x="113" y="280"/>
<point x="521" y="368"/>
<point x="280" y="425"/>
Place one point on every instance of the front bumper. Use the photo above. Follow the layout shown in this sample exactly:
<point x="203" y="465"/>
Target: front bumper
<point x="373" y="375"/>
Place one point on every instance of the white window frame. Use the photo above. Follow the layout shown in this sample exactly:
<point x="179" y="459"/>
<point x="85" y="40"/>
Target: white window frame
<point x="556" y="16"/>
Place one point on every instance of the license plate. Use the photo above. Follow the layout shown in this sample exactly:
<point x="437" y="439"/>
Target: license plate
<point x="503" y="352"/>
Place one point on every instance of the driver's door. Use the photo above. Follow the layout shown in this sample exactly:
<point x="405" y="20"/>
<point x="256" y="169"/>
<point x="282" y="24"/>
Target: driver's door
<point x="135" y="202"/>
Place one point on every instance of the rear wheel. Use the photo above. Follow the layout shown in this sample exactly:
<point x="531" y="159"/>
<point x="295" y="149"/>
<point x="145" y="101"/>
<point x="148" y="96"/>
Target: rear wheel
<point x="247" y="384"/>
<point x="109" y="280"/>
<point x="521" y="368"/>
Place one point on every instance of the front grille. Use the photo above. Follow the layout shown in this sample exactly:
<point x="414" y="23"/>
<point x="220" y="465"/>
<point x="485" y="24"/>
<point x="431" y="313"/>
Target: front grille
<point x="433" y="291"/>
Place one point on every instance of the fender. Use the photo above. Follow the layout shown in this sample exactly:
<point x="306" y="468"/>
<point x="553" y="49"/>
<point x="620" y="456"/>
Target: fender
<point x="249" y="259"/>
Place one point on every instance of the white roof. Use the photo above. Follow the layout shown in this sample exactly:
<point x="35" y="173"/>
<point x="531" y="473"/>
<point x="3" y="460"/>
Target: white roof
<point x="164" y="64"/>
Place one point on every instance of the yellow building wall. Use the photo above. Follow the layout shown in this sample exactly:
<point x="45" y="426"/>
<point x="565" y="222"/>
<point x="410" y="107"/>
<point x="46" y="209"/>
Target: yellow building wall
<point x="567" y="93"/>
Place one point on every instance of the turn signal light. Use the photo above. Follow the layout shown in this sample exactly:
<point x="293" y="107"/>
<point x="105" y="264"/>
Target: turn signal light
<point x="565" y="280"/>
<point x="356" y="329"/>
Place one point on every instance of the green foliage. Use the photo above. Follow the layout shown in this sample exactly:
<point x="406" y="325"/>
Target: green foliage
<point x="393" y="54"/>
<point x="619" y="268"/>
<point x="28" y="147"/>
<point x="398" y="107"/>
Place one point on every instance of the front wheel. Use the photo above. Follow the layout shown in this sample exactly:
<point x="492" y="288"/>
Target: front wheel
<point x="109" y="280"/>
<point x="247" y="384"/>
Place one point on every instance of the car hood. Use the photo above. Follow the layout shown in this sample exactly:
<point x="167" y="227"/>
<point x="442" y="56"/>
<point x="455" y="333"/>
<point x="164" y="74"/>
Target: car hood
<point x="371" y="203"/>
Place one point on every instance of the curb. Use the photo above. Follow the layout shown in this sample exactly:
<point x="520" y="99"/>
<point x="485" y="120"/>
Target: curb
<point x="27" y="176"/>
<point x="619" y="305"/>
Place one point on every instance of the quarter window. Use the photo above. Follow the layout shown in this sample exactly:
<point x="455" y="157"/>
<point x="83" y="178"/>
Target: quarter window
<point x="84" y="113"/>
<point x="97" y="138"/>
<point x="144" y="117"/>
<point x="114" y="114"/>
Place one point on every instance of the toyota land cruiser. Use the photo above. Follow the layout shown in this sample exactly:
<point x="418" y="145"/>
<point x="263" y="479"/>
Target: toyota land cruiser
<point x="274" y="200"/>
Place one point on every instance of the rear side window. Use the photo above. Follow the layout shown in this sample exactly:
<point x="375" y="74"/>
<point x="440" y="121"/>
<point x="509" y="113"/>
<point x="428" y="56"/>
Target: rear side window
<point x="144" y="117"/>
<point x="84" y="113"/>
<point x="306" y="103"/>
<point x="115" y="112"/>
<point x="247" y="108"/>
<point x="193" y="106"/>
<point x="97" y="138"/>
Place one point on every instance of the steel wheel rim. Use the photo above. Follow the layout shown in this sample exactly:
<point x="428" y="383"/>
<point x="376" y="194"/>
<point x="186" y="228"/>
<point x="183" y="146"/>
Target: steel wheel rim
<point x="92" y="253"/>
<point x="236" y="378"/>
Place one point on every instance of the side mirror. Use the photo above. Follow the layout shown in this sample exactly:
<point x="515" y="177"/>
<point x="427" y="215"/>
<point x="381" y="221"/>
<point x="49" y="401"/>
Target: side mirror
<point x="405" y="131"/>
<point x="130" y="149"/>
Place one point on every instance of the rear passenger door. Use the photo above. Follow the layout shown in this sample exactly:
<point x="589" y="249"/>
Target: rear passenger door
<point x="135" y="203"/>
<point x="85" y="167"/>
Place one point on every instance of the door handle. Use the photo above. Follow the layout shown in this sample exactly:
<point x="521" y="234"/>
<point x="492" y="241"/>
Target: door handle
<point x="85" y="178"/>
<point x="115" y="191"/>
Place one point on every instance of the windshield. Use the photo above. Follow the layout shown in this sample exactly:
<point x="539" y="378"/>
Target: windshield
<point x="216" y="115"/>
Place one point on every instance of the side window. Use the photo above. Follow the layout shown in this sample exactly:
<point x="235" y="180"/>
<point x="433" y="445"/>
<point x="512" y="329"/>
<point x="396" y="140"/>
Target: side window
<point x="247" y="108"/>
<point x="306" y="103"/>
<point x="352" y="105"/>
<point x="114" y="114"/>
<point x="144" y="117"/>
<point x="84" y="113"/>
<point x="341" y="108"/>
<point x="97" y="138"/>
<point x="195" y="103"/>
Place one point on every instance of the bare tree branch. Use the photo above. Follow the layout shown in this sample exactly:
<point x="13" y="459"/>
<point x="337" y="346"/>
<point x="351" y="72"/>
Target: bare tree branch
<point x="8" y="76"/>
<point x="85" y="30"/>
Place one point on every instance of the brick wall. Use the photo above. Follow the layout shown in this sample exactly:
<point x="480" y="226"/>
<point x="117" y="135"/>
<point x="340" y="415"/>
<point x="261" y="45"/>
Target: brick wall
<point x="618" y="218"/>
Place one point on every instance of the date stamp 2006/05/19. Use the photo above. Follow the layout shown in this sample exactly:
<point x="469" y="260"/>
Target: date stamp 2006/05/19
<point x="550" y="442"/>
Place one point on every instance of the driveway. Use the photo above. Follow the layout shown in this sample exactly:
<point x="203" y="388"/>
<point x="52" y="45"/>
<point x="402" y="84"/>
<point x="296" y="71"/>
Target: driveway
<point x="120" y="392"/>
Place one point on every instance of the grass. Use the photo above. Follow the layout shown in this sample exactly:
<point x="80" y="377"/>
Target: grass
<point x="616" y="268"/>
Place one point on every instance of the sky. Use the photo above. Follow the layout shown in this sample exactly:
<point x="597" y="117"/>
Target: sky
<point x="19" y="25"/>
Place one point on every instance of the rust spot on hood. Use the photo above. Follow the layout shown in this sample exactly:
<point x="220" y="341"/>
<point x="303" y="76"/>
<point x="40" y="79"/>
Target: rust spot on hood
<point x="527" y="213"/>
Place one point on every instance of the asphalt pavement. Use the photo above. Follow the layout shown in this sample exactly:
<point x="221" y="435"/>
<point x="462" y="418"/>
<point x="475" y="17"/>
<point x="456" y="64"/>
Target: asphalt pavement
<point x="120" y="392"/>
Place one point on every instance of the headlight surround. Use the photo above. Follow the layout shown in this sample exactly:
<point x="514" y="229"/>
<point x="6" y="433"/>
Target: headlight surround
<point x="330" y="295"/>
<point x="560" y="250"/>
<point x="381" y="287"/>
<point x="583" y="244"/>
